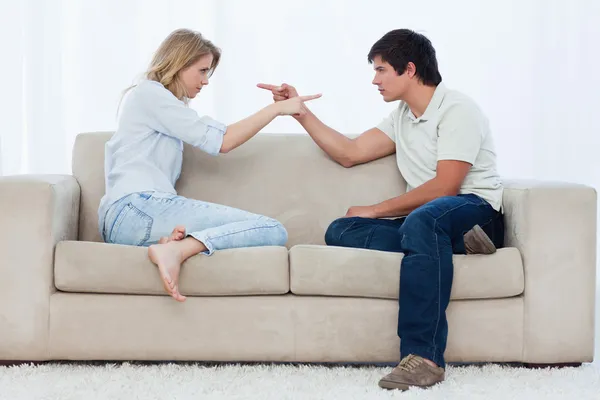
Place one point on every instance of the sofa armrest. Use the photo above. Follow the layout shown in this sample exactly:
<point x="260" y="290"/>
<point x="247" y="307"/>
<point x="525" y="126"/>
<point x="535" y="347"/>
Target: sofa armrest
<point x="554" y="227"/>
<point x="36" y="212"/>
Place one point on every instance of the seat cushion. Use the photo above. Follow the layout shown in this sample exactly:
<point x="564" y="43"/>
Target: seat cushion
<point x="109" y="268"/>
<point x="341" y="271"/>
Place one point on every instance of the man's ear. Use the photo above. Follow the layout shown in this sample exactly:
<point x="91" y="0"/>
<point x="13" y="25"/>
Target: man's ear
<point x="411" y="70"/>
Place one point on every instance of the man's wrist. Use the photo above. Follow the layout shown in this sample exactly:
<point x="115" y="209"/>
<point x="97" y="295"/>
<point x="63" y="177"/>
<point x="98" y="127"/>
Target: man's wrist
<point x="299" y="118"/>
<point x="377" y="210"/>
<point x="387" y="209"/>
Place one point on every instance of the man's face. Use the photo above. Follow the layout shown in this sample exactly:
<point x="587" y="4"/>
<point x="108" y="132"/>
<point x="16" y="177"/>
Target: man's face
<point x="391" y="85"/>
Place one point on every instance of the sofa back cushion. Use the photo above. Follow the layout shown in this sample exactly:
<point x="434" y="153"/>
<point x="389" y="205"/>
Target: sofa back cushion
<point x="286" y="177"/>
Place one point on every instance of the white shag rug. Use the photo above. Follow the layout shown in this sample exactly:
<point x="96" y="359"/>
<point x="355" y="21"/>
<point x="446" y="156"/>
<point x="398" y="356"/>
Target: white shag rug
<point x="67" y="381"/>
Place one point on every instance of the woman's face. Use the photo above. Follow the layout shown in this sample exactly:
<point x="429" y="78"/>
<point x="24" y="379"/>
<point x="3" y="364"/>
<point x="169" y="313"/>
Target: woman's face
<point x="195" y="76"/>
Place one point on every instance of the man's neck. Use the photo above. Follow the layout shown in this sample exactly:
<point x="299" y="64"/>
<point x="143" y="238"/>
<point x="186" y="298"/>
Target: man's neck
<point x="419" y="98"/>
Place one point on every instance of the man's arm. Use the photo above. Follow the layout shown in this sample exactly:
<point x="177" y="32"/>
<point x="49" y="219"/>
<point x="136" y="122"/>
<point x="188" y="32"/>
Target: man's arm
<point x="370" y="145"/>
<point x="447" y="182"/>
<point x="460" y="135"/>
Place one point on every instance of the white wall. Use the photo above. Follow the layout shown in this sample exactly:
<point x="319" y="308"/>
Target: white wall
<point x="531" y="66"/>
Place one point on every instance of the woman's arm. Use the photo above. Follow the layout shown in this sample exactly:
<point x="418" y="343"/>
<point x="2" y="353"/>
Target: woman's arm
<point x="170" y="116"/>
<point x="241" y="131"/>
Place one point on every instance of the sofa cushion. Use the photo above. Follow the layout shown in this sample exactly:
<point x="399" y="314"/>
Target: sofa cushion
<point x="110" y="268"/>
<point x="341" y="271"/>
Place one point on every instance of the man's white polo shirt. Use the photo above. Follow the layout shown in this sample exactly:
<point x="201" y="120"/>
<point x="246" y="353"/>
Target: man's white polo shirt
<point x="452" y="128"/>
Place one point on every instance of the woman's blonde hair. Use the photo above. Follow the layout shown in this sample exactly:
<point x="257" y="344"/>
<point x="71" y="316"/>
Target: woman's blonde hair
<point x="179" y="50"/>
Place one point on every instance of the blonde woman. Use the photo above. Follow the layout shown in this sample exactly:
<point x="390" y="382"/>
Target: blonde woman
<point x="143" y="162"/>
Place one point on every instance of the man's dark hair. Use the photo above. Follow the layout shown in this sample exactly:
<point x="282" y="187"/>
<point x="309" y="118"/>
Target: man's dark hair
<point x="401" y="46"/>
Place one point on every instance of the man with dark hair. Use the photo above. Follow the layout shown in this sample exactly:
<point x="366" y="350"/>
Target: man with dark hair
<point x="453" y="204"/>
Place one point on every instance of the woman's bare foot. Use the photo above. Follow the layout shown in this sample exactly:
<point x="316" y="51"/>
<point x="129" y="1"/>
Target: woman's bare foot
<point x="169" y="254"/>
<point x="168" y="258"/>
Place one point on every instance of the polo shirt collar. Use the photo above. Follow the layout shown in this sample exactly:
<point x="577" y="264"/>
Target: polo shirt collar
<point x="433" y="106"/>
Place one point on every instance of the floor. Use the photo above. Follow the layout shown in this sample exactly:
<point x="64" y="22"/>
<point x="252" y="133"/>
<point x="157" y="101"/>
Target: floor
<point x="67" y="381"/>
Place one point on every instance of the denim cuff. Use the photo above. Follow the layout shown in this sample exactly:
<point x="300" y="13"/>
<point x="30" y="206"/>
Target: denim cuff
<point x="204" y="240"/>
<point x="428" y="352"/>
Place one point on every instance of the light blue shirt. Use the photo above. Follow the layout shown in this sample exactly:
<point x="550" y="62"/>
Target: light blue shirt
<point x="146" y="151"/>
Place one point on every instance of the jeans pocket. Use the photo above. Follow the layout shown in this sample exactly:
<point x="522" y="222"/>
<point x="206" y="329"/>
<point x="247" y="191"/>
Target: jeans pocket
<point x="131" y="227"/>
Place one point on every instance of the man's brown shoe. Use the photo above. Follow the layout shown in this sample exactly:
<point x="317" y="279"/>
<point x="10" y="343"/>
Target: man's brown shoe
<point x="477" y="242"/>
<point x="412" y="371"/>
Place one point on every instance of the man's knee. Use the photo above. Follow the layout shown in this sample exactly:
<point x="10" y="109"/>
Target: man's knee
<point x="419" y="231"/>
<point x="335" y="231"/>
<point x="420" y="220"/>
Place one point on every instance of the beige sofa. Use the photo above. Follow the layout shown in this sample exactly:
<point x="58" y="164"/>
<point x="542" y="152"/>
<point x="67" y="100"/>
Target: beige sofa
<point x="66" y="295"/>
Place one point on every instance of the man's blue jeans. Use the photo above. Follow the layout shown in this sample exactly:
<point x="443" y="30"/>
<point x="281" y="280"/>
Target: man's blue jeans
<point x="428" y="237"/>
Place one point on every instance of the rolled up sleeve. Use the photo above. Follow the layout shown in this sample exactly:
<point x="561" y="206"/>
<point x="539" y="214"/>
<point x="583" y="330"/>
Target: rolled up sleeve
<point x="173" y="117"/>
<point x="213" y="139"/>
